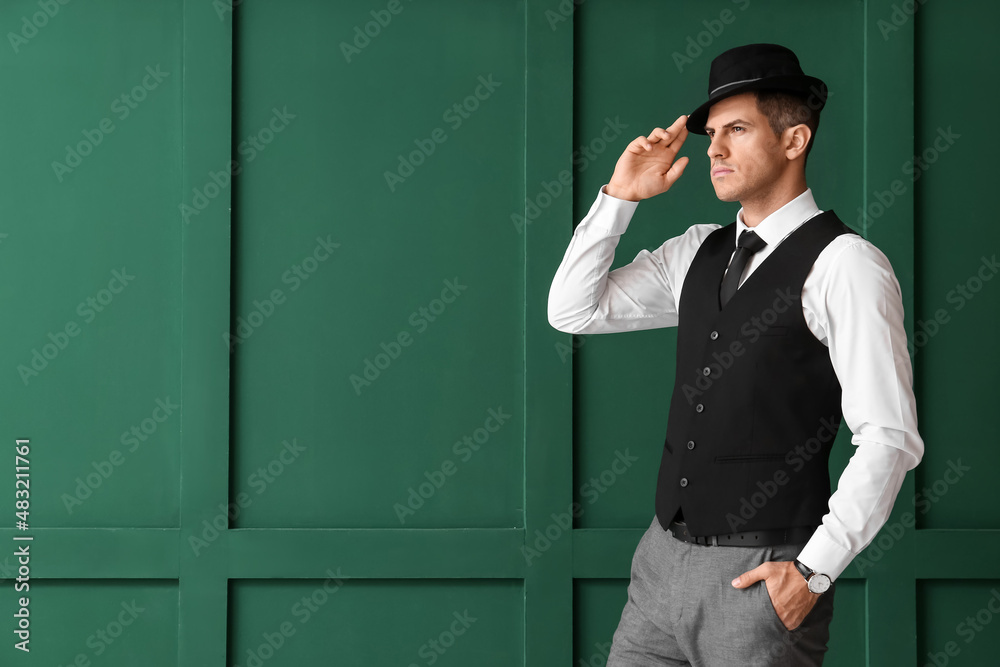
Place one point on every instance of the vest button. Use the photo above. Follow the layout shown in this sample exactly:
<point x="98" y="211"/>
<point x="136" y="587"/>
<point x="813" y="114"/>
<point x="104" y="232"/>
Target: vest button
<point x="713" y="335"/>
<point x="706" y="371"/>
<point x="690" y="444"/>
<point x="684" y="481"/>
<point x="699" y="407"/>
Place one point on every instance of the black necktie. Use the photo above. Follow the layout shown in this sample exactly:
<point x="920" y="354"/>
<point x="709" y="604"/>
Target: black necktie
<point x="748" y="244"/>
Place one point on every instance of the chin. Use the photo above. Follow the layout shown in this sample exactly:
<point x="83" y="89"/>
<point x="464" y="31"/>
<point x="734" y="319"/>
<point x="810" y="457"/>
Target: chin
<point x="726" y="195"/>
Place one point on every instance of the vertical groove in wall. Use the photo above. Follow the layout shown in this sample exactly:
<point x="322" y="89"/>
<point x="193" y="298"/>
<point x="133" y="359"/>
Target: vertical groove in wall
<point x="864" y="122"/>
<point x="548" y="614"/>
<point x="234" y="255"/>
<point x="206" y="122"/>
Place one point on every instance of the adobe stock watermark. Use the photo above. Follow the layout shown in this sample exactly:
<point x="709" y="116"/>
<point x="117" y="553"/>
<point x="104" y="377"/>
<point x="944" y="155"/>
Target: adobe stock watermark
<point x="294" y="276"/>
<point x="959" y="296"/>
<point x="583" y="157"/>
<point x="248" y="150"/>
<point x="464" y="449"/>
<point x="420" y="320"/>
<point x="562" y="13"/>
<point x="105" y="636"/>
<point x="88" y="310"/>
<point x="777" y="650"/>
<point x="696" y="44"/>
<point x="131" y="440"/>
<point x="364" y="34"/>
<point x="260" y="481"/>
<point x="8" y="570"/>
<point x="455" y="116"/>
<point x="968" y="629"/>
<point x="30" y="25"/>
<point x="303" y="610"/>
<point x="599" y="658"/>
<point x="566" y="351"/>
<point x="591" y="490"/>
<point x="900" y="15"/>
<point x="435" y="647"/>
<point x="752" y="330"/>
<point x="796" y="458"/>
<point x="121" y="107"/>
<point x="923" y="500"/>
<point x="913" y="168"/>
<point x="223" y="7"/>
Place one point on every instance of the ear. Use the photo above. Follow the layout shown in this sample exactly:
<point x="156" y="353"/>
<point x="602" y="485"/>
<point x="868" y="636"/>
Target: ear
<point x="795" y="139"/>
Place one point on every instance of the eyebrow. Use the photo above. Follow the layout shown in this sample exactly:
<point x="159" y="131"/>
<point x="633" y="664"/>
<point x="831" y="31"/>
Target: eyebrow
<point x="738" y="121"/>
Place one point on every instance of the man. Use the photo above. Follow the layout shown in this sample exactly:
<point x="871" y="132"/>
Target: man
<point x="787" y="322"/>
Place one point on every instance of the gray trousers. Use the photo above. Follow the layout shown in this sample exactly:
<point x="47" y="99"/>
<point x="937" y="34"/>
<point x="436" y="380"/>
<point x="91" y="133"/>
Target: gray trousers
<point x="683" y="610"/>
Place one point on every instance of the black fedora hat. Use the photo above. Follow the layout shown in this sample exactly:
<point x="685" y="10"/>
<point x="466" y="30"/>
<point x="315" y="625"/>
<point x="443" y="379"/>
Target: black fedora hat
<point x="756" y="67"/>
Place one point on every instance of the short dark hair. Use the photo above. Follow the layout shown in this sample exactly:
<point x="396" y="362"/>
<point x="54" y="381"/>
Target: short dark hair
<point x="784" y="110"/>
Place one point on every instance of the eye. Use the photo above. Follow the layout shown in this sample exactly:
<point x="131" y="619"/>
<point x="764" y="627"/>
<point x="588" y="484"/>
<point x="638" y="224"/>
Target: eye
<point x="738" y="127"/>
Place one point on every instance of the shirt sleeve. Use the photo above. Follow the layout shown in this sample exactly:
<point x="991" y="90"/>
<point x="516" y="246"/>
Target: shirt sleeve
<point x="585" y="297"/>
<point x="867" y="341"/>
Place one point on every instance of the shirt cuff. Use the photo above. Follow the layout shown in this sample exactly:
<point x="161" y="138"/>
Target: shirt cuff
<point x="609" y="215"/>
<point x="821" y="554"/>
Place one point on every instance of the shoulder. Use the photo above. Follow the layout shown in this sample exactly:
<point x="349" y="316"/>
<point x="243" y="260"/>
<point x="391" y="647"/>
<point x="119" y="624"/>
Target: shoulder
<point x="852" y="262"/>
<point x="851" y="250"/>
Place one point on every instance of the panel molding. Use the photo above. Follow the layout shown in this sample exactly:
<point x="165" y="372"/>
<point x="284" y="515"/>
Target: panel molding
<point x="205" y="256"/>
<point x="888" y="133"/>
<point x="548" y="446"/>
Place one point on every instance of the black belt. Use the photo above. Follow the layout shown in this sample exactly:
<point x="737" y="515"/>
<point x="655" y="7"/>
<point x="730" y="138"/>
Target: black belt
<point x="748" y="538"/>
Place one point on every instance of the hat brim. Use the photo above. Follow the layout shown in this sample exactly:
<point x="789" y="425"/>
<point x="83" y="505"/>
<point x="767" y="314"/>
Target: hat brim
<point x="813" y="89"/>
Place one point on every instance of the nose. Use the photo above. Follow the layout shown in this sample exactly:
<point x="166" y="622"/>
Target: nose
<point x="716" y="147"/>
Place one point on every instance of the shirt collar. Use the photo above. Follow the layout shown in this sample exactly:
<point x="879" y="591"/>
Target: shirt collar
<point x="782" y="222"/>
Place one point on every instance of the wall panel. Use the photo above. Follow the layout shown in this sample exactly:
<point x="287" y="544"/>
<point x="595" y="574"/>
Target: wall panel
<point x="329" y="361"/>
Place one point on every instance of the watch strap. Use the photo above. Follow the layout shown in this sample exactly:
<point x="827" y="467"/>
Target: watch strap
<point x="803" y="570"/>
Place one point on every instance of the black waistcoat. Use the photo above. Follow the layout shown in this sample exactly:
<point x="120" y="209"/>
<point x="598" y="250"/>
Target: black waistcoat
<point x="756" y="402"/>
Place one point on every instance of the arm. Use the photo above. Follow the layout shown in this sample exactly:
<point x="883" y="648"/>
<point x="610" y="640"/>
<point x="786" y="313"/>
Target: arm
<point x="586" y="298"/>
<point x="869" y="354"/>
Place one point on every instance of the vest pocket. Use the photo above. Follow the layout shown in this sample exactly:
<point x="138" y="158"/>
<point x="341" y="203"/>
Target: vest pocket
<point x="748" y="457"/>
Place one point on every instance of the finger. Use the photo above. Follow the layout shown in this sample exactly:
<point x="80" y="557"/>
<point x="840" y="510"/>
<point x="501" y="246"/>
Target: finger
<point x="677" y="140"/>
<point x="678" y="125"/>
<point x="672" y="131"/>
<point x="751" y="576"/>
<point x="666" y="137"/>
<point x="639" y="145"/>
<point x="678" y="132"/>
<point x="636" y="146"/>
<point x="658" y="134"/>
<point x="676" y="170"/>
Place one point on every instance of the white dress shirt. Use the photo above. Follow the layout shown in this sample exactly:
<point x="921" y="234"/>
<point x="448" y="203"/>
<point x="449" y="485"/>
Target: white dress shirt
<point x="851" y="302"/>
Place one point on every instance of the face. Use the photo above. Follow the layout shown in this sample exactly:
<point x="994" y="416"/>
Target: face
<point x="746" y="157"/>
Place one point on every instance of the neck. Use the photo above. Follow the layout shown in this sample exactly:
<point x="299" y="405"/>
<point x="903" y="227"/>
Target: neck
<point x="763" y="204"/>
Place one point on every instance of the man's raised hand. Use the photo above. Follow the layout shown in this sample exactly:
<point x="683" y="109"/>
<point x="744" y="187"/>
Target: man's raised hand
<point x="647" y="166"/>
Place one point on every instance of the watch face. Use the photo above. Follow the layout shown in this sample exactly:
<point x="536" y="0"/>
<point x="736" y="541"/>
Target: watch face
<point x="819" y="583"/>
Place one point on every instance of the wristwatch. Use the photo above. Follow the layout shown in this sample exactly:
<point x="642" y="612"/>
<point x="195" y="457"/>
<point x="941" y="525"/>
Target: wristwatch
<point x="818" y="583"/>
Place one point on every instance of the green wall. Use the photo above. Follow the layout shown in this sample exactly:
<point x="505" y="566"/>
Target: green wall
<point x="305" y="407"/>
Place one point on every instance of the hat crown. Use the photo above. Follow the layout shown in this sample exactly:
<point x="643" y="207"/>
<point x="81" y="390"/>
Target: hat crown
<point x="751" y="62"/>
